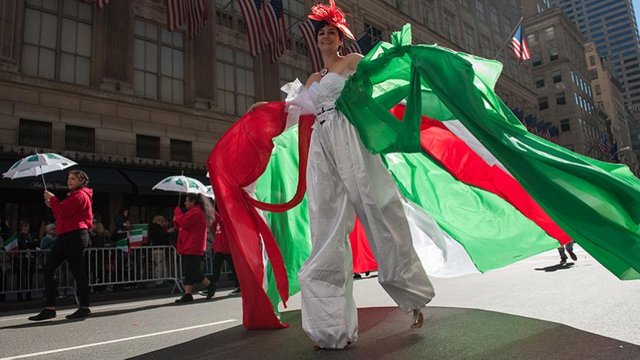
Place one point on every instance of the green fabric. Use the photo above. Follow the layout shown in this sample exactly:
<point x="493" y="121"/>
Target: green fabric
<point x="491" y="230"/>
<point x="596" y="203"/>
<point x="291" y="228"/>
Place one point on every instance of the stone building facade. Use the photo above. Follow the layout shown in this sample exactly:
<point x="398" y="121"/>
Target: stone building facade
<point x="114" y="90"/>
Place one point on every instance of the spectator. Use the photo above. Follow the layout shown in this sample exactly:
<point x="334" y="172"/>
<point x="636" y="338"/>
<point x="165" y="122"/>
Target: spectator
<point x="158" y="236"/>
<point x="49" y="237"/>
<point x="74" y="219"/>
<point x="192" y="243"/>
<point x="100" y="236"/>
<point x="122" y="224"/>
<point x="26" y="260"/>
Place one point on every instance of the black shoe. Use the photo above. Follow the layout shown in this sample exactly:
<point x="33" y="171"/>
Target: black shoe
<point x="572" y="255"/>
<point x="211" y="290"/>
<point x="186" y="298"/>
<point x="563" y="261"/>
<point x="81" y="313"/>
<point x="45" y="314"/>
<point x="235" y="292"/>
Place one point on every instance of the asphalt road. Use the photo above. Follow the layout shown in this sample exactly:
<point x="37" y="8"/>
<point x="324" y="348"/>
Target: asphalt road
<point x="530" y="310"/>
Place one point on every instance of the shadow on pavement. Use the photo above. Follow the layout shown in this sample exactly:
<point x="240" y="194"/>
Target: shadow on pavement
<point x="60" y="319"/>
<point x="556" y="267"/>
<point x="449" y="333"/>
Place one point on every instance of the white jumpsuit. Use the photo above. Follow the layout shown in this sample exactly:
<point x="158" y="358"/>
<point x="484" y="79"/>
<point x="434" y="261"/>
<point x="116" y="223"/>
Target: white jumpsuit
<point x="344" y="179"/>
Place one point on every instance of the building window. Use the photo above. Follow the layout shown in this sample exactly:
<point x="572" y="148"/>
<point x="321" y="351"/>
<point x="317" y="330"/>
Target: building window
<point x="428" y="15"/>
<point x="374" y="32"/>
<point x="34" y="133"/>
<point x="469" y="40"/>
<point x="543" y="103"/>
<point x="539" y="81"/>
<point x="234" y="77"/>
<point x="536" y="59"/>
<point x="592" y="60"/>
<point x="57" y="40"/>
<point x="560" y="99"/>
<point x="598" y="90"/>
<point x="181" y="150"/>
<point x="553" y="54"/>
<point x="158" y="63"/>
<point x="79" y="138"/>
<point x="565" y="125"/>
<point x="556" y="76"/>
<point x="148" y="146"/>
<point x="449" y="25"/>
<point x="549" y="34"/>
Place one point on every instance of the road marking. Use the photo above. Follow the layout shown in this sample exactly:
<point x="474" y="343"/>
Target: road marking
<point x="116" y="340"/>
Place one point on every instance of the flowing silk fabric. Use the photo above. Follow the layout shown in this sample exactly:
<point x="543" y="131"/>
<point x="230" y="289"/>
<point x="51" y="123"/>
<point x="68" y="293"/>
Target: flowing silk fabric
<point x="596" y="203"/>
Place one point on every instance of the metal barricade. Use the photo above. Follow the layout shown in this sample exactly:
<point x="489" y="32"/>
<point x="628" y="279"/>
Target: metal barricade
<point x="22" y="271"/>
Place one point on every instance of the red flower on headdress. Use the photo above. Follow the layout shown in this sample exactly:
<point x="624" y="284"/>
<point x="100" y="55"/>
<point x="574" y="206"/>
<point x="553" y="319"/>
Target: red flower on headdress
<point x="333" y="15"/>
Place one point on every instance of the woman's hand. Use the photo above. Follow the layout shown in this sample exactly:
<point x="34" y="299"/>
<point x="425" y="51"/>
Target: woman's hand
<point x="255" y="105"/>
<point x="48" y="195"/>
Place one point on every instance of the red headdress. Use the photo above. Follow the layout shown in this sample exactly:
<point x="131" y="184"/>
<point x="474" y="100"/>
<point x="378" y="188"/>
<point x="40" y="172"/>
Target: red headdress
<point x="333" y="15"/>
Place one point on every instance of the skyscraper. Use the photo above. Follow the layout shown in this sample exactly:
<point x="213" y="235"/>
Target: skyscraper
<point x="611" y="25"/>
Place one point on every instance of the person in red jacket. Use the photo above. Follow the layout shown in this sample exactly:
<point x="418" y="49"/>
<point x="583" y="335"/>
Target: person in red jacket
<point x="74" y="219"/>
<point x="221" y="253"/>
<point x="192" y="243"/>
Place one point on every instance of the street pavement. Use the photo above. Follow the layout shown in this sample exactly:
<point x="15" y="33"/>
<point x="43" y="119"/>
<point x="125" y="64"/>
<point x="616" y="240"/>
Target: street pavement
<point x="530" y="310"/>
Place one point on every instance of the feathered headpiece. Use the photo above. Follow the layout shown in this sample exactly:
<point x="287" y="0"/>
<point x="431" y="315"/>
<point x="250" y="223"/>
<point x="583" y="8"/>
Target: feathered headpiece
<point x="333" y="15"/>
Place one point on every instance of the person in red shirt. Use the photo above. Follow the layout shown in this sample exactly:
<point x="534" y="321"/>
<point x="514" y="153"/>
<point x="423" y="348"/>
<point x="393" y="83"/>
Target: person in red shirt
<point x="192" y="243"/>
<point x="222" y="253"/>
<point x="74" y="219"/>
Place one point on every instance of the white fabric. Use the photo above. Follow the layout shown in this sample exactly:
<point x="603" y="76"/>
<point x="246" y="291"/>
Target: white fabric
<point x="344" y="179"/>
<point x="298" y="102"/>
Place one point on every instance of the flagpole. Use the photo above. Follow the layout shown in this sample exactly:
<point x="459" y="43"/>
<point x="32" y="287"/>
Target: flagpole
<point x="509" y="38"/>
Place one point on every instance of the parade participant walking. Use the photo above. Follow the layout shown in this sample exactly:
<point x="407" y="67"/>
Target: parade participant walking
<point x="192" y="243"/>
<point x="74" y="219"/>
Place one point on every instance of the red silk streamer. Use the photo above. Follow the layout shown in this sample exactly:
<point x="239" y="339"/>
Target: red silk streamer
<point x="236" y="161"/>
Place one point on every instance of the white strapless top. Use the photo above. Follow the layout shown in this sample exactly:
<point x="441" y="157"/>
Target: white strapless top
<point x="325" y="92"/>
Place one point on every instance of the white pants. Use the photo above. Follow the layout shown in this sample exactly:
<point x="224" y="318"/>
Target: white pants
<point x="344" y="179"/>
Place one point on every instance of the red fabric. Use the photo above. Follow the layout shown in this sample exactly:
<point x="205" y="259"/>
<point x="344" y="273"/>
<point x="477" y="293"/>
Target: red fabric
<point x="238" y="159"/>
<point x="74" y="212"/>
<point x="192" y="230"/>
<point x="220" y="241"/>
<point x="462" y="162"/>
<point x="363" y="258"/>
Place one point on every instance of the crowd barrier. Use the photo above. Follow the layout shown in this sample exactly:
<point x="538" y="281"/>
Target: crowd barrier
<point x="22" y="271"/>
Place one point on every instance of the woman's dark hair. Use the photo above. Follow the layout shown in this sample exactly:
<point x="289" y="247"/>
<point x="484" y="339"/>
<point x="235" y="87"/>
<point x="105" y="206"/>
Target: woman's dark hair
<point x="82" y="176"/>
<point x="318" y="25"/>
<point x="204" y="202"/>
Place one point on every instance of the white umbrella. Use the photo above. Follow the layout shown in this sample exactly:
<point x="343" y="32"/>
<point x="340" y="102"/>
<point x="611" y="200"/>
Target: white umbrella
<point x="38" y="165"/>
<point x="181" y="184"/>
<point x="209" y="192"/>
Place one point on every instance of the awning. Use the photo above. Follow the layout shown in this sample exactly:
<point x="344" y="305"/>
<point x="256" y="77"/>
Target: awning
<point x="100" y="179"/>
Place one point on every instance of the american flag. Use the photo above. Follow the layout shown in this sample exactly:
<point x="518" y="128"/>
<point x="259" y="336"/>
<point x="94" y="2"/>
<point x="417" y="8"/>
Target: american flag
<point x="253" y="23"/>
<point x="519" y="45"/>
<point x="309" y="35"/>
<point x="276" y="35"/>
<point x="361" y="46"/>
<point x="602" y="143"/>
<point x="192" y="12"/>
